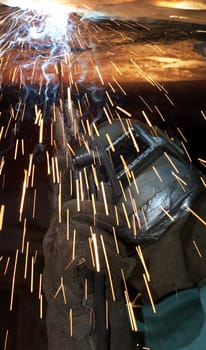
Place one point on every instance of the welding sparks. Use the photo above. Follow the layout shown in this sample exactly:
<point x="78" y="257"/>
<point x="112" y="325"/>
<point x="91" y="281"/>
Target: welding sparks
<point x="13" y="281"/>
<point x="197" y="216"/>
<point x="108" y="268"/>
<point x="47" y="30"/>
<point x="129" y="304"/>
<point x="2" y="209"/>
<point x="52" y="39"/>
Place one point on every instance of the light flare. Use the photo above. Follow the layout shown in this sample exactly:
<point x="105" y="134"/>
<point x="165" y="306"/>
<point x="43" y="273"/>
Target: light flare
<point x="45" y="6"/>
<point x="185" y="5"/>
<point x="40" y="37"/>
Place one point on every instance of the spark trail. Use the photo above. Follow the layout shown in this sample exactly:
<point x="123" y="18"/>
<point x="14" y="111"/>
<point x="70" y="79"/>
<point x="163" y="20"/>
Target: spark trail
<point x="36" y="39"/>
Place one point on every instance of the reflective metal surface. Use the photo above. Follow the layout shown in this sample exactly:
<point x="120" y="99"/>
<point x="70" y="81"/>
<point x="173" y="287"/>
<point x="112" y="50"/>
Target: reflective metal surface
<point x="156" y="183"/>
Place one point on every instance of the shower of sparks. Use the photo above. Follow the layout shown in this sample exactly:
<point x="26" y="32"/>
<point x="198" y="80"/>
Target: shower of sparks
<point x="43" y="46"/>
<point x="39" y="41"/>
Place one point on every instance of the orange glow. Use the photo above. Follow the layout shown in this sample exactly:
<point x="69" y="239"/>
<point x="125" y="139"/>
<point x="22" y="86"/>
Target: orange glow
<point x="187" y="5"/>
<point x="54" y="4"/>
